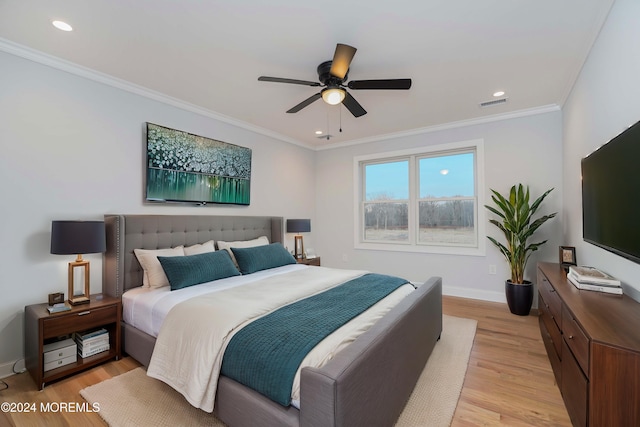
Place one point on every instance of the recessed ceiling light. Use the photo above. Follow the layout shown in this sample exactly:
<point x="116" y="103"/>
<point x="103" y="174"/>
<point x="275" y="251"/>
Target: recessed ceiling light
<point x="444" y="171"/>
<point x="318" y="132"/>
<point x="62" y="26"/>
<point x="499" y="93"/>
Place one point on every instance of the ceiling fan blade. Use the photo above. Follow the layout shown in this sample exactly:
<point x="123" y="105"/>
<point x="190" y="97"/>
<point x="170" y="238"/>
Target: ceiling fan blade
<point x="292" y="81"/>
<point x="342" y="60"/>
<point x="304" y="103"/>
<point x="353" y="106"/>
<point x="380" y="84"/>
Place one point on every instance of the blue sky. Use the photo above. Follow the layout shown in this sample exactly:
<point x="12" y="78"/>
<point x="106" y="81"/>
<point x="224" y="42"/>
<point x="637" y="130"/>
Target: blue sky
<point x="393" y="178"/>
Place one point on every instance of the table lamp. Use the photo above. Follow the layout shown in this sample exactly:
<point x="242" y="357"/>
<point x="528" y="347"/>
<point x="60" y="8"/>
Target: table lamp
<point x="78" y="237"/>
<point x="298" y="226"/>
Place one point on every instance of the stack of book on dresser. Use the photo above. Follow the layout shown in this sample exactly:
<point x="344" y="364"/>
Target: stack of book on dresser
<point x="592" y="279"/>
<point x="92" y="342"/>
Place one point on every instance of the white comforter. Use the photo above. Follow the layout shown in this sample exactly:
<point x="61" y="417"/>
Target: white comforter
<point x="193" y="337"/>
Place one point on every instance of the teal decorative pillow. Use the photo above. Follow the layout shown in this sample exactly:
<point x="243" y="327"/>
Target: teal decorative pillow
<point x="184" y="271"/>
<point x="259" y="258"/>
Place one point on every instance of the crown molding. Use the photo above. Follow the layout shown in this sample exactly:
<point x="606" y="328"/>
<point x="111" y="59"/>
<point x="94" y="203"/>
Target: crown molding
<point x="90" y="74"/>
<point x="446" y="126"/>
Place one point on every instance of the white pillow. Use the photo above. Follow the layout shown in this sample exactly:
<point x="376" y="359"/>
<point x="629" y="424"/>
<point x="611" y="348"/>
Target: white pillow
<point x="260" y="241"/>
<point x="199" y="249"/>
<point x="154" y="276"/>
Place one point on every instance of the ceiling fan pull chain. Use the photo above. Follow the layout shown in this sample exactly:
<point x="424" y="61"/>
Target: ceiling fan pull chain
<point x="328" y="133"/>
<point x="340" y="118"/>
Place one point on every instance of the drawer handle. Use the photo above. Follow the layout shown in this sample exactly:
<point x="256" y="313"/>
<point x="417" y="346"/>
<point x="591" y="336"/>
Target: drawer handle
<point x="552" y="290"/>
<point x="570" y="337"/>
<point x="84" y="313"/>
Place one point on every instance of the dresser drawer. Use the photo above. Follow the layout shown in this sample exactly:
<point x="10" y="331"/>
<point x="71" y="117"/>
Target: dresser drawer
<point x="551" y="327"/>
<point x="87" y="319"/>
<point x="554" y="356"/>
<point x="551" y="298"/>
<point x="576" y="340"/>
<point x="575" y="389"/>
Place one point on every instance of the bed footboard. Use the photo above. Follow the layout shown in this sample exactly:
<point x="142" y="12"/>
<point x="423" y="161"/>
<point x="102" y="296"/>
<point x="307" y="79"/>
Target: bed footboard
<point x="370" y="381"/>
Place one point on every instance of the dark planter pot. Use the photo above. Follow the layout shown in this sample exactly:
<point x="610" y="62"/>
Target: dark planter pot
<point x="519" y="297"/>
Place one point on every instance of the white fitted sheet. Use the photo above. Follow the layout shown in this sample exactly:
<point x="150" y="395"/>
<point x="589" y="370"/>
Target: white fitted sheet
<point x="145" y="308"/>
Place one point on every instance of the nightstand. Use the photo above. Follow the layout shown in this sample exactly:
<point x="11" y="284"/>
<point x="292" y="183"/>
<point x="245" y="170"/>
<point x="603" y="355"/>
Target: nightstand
<point x="309" y="261"/>
<point x="42" y="328"/>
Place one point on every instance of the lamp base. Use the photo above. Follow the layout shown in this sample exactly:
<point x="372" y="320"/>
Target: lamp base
<point x="78" y="300"/>
<point x="299" y="247"/>
<point x="83" y="267"/>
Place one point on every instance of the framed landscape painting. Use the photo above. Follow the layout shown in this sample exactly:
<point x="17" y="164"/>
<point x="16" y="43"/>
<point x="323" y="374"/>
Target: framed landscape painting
<point x="182" y="167"/>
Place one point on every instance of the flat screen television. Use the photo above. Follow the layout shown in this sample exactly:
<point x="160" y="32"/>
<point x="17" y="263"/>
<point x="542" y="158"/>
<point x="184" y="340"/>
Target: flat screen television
<point x="611" y="195"/>
<point x="187" y="168"/>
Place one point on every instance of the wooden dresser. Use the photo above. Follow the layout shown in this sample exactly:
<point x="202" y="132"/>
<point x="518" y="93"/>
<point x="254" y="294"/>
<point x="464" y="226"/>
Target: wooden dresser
<point x="593" y="343"/>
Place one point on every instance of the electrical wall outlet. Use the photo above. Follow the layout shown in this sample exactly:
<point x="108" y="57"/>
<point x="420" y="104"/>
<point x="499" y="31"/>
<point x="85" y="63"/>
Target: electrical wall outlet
<point x="492" y="269"/>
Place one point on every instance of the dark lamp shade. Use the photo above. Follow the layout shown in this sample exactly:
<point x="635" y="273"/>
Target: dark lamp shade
<point x="77" y="237"/>
<point x="298" y="225"/>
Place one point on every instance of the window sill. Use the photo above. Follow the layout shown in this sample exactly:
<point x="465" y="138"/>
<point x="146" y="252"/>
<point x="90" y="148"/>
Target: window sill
<point x="431" y="249"/>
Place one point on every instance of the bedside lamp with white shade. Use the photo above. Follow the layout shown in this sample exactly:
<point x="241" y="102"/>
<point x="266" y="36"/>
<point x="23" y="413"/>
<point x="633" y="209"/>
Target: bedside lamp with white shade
<point x="78" y="238"/>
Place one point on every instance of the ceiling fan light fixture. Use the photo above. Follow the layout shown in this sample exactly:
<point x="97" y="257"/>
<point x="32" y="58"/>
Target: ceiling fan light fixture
<point x="333" y="96"/>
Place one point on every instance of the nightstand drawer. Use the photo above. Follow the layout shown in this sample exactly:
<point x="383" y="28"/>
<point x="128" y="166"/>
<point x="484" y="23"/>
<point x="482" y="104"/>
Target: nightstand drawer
<point x="86" y="319"/>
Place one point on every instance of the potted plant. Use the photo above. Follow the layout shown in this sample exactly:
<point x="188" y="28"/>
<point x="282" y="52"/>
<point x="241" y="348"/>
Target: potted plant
<point x="516" y="223"/>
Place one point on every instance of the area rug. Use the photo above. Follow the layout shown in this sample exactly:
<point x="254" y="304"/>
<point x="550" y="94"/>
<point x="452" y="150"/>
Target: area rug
<point x="134" y="399"/>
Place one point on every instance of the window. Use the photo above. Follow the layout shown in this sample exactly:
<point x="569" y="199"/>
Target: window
<point x="386" y="201"/>
<point x="421" y="200"/>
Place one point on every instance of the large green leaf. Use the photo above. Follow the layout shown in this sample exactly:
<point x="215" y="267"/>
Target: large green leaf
<point x="515" y="213"/>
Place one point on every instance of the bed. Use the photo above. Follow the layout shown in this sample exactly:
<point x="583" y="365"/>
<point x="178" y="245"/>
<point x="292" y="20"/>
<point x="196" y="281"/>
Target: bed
<point x="366" y="383"/>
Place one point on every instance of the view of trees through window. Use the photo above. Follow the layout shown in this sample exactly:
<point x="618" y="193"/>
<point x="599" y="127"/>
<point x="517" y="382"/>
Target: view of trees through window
<point x="440" y="201"/>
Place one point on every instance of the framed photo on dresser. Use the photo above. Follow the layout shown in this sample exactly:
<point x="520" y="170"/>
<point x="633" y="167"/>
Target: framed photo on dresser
<point x="567" y="255"/>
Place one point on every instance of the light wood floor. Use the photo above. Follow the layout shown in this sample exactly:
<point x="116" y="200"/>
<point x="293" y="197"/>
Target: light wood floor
<point x="509" y="381"/>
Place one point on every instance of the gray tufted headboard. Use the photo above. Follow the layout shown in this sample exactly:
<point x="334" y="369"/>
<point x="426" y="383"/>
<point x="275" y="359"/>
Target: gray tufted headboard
<point x="121" y="270"/>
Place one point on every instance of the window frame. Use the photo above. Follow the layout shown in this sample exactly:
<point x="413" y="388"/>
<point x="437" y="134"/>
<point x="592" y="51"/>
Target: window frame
<point x="413" y="155"/>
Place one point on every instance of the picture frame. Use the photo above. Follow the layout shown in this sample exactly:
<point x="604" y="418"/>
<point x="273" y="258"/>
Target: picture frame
<point x="56" y="298"/>
<point x="185" y="168"/>
<point x="567" y="256"/>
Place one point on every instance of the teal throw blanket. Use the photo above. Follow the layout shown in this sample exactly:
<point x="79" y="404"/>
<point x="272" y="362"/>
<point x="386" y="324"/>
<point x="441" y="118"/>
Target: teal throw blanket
<point x="265" y="354"/>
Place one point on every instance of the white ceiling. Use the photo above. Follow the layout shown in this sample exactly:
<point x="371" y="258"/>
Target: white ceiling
<point x="210" y="53"/>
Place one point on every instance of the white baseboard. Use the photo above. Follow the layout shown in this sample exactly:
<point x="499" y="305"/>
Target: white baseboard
<point x="492" y="296"/>
<point x="6" y="369"/>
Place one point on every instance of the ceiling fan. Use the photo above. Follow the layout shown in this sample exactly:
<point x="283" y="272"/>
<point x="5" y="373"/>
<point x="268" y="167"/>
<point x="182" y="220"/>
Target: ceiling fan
<point x="333" y="75"/>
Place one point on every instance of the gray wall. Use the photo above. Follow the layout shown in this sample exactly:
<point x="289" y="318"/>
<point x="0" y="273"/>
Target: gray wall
<point x="526" y="149"/>
<point x="605" y="100"/>
<point x="72" y="148"/>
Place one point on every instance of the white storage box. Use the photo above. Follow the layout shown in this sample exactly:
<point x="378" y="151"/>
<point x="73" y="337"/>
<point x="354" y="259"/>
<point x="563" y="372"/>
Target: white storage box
<point x="60" y="362"/>
<point x="59" y="353"/>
